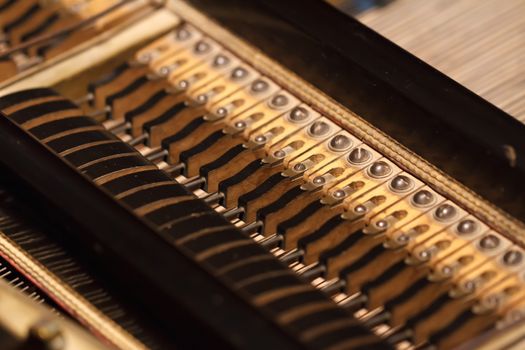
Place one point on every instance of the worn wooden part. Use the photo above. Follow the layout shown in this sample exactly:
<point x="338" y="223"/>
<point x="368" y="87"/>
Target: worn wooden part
<point x="8" y="68"/>
<point x="138" y="121"/>
<point x="15" y="11"/>
<point x="418" y="302"/>
<point x="449" y="313"/>
<point x="446" y="314"/>
<point x="378" y="296"/>
<point x="394" y="286"/>
<point x="410" y="275"/>
<point x="351" y="223"/>
<point x="336" y="236"/>
<point x="31" y="102"/>
<point x="443" y="244"/>
<point x="46" y="118"/>
<point x="486" y="313"/>
<point x="61" y="23"/>
<point x="194" y="163"/>
<point x="97" y="51"/>
<point x="373" y="268"/>
<point x="299" y="203"/>
<point x="293" y="146"/>
<point x="268" y="197"/>
<point x="304" y="310"/>
<point x="127" y="171"/>
<point x="230" y="139"/>
<point x="309" y="225"/>
<point x="490" y="274"/>
<point x="232" y="167"/>
<point x="159" y="204"/>
<point x="249" y="184"/>
<point x="377" y="265"/>
<point x="110" y="21"/>
<point x="176" y="123"/>
<point x="316" y="153"/>
<point x="102" y="92"/>
<point x="17" y="33"/>
<point x="331" y="240"/>
<point x="71" y="41"/>
<point x="382" y="197"/>
<point x="121" y="106"/>
<point x="187" y="63"/>
<point x="197" y="77"/>
<point x="92" y="7"/>
<point x="118" y="16"/>
<point x="459" y="263"/>
<point x="467" y="330"/>
<point x="216" y="91"/>
<point x="272" y="220"/>
<point x="204" y="131"/>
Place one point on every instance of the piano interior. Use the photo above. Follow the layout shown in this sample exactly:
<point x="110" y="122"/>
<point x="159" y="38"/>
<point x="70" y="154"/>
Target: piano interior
<point x="252" y="174"/>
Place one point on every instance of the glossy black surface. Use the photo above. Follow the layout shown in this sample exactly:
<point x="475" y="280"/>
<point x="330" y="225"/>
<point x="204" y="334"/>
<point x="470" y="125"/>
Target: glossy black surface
<point x="191" y="310"/>
<point x="435" y="117"/>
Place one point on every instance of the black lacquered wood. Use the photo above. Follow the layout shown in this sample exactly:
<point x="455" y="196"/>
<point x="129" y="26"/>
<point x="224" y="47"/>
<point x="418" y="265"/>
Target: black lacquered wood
<point x="109" y="166"/>
<point x="25" y="95"/>
<point x="128" y="182"/>
<point x="33" y="112"/>
<point x="134" y="254"/>
<point x="152" y="194"/>
<point x="73" y="140"/>
<point x="52" y="128"/>
<point x="97" y="151"/>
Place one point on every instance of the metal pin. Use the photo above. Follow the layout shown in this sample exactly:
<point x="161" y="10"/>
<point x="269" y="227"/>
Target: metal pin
<point x="195" y="183"/>
<point x="355" y="303"/>
<point x="252" y="227"/>
<point x="157" y="155"/>
<point x="272" y="241"/>
<point x="377" y="319"/>
<point x="120" y="128"/>
<point x="86" y="98"/>
<point x="335" y="287"/>
<point x="233" y="213"/>
<point x="99" y="112"/>
<point x="292" y="256"/>
<point x="213" y="198"/>
<point x="177" y="168"/>
<point x="138" y="140"/>
<point x="312" y="272"/>
<point x="399" y="336"/>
